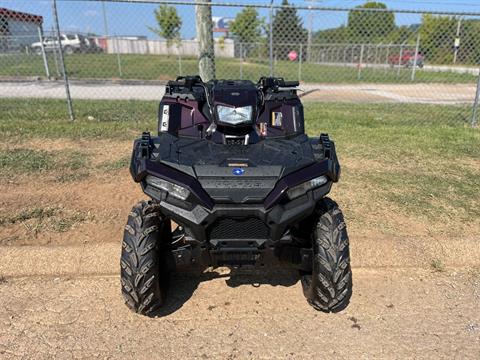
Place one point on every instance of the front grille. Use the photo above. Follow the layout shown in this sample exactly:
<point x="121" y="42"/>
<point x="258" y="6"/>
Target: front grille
<point x="249" y="228"/>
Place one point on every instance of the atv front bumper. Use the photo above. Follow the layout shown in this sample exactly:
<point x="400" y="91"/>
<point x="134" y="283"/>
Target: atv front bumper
<point x="240" y="235"/>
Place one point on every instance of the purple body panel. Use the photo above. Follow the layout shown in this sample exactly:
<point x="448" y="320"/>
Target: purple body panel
<point x="189" y="114"/>
<point x="291" y="115"/>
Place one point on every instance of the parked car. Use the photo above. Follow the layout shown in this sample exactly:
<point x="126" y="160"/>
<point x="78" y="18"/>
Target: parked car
<point x="71" y="43"/>
<point x="407" y="60"/>
<point x="92" y="45"/>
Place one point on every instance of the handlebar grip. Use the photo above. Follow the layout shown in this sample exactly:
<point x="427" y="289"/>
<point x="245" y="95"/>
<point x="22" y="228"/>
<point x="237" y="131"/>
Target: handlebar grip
<point x="291" y="83"/>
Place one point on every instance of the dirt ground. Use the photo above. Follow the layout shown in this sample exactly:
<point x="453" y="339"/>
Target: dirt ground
<point x="60" y="291"/>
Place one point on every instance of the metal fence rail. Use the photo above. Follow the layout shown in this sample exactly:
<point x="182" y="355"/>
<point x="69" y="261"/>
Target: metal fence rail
<point x="120" y="50"/>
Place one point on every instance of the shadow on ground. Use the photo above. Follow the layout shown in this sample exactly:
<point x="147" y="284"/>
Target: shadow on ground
<point x="183" y="284"/>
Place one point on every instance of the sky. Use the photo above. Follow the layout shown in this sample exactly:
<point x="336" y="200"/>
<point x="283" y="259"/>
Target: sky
<point x="135" y="19"/>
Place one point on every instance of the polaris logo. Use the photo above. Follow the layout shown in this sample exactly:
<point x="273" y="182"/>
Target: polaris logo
<point x="238" y="171"/>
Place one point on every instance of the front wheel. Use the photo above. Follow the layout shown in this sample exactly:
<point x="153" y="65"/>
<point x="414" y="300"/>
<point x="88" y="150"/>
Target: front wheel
<point x="328" y="287"/>
<point x="144" y="273"/>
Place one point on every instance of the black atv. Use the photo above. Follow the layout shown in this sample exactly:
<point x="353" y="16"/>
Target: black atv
<point x="233" y="169"/>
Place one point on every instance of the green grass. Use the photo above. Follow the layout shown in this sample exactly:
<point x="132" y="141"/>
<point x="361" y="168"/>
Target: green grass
<point x="21" y="160"/>
<point x="25" y="160"/>
<point x="95" y="119"/>
<point x="158" y="67"/>
<point x="411" y="157"/>
<point x="116" y="164"/>
<point x="420" y="161"/>
<point x="36" y="219"/>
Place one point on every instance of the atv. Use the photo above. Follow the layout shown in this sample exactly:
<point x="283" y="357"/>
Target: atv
<point x="234" y="181"/>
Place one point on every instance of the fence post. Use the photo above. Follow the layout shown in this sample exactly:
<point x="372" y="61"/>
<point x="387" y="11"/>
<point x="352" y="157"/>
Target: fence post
<point x="55" y="58"/>
<point x="44" y="56"/>
<point x="206" y="60"/>
<point x="457" y="40"/>
<point x="376" y="56"/>
<point x="387" y="56"/>
<point x="400" y="60"/>
<point x="359" y="72"/>
<point x="179" y="59"/>
<point x="271" y="37"/>
<point x="241" y="61"/>
<point x="417" y="46"/>
<point x="119" y="61"/>
<point x="62" y="61"/>
<point x="476" y="103"/>
<point x="300" y="63"/>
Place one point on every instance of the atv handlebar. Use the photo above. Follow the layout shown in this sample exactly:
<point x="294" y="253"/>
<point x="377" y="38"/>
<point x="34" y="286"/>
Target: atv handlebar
<point x="290" y="84"/>
<point x="275" y="83"/>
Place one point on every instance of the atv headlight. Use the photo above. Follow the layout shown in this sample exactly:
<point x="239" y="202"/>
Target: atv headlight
<point x="234" y="116"/>
<point x="172" y="189"/>
<point x="301" y="189"/>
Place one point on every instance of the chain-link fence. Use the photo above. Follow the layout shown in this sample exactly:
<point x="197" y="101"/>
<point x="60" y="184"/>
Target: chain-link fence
<point x="117" y="50"/>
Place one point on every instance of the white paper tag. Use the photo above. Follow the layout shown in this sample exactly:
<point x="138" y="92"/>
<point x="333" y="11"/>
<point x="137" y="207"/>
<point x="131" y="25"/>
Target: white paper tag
<point x="165" y="118"/>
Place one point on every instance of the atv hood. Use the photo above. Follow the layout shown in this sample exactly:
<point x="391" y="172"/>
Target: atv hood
<point x="235" y="173"/>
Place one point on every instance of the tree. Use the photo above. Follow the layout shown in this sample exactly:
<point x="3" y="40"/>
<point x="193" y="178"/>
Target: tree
<point x="330" y="36"/>
<point x="369" y="27"/>
<point x="169" y="23"/>
<point x="402" y="35"/>
<point x="288" y="31"/>
<point x="247" y="27"/>
<point x="469" y="51"/>
<point x="437" y="36"/>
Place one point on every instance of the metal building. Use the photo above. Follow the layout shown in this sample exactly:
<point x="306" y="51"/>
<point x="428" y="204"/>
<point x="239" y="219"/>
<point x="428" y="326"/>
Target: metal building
<point x="18" y="30"/>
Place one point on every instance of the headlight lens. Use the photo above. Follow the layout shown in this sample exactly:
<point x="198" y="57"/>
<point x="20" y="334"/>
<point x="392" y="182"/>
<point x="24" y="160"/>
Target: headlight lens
<point x="301" y="189"/>
<point x="172" y="189"/>
<point x="234" y="116"/>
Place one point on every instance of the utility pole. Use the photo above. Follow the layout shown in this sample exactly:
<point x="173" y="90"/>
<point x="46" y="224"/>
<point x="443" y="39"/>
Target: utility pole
<point x="310" y="28"/>
<point x="270" y="36"/>
<point x="105" y="22"/>
<point x="206" y="60"/>
<point x="457" y="40"/>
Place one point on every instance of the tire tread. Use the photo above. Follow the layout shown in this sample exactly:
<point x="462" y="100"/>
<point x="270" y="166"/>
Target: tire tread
<point x="139" y="263"/>
<point x="329" y="287"/>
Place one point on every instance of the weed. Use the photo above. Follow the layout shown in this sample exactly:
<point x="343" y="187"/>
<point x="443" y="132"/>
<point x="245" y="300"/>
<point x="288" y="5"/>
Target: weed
<point x="116" y="165"/>
<point x="437" y="265"/>
<point x="72" y="177"/>
<point x="66" y="222"/>
<point x="36" y="213"/>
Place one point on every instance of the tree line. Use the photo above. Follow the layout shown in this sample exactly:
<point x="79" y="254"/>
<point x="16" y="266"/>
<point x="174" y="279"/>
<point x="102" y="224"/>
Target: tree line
<point x="437" y="34"/>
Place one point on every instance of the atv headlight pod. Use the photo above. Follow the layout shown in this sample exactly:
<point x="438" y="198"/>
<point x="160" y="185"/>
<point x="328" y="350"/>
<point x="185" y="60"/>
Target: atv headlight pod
<point x="233" y="115"/>
<point x="301" y="189"/>
<point x="172" y="189"/>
